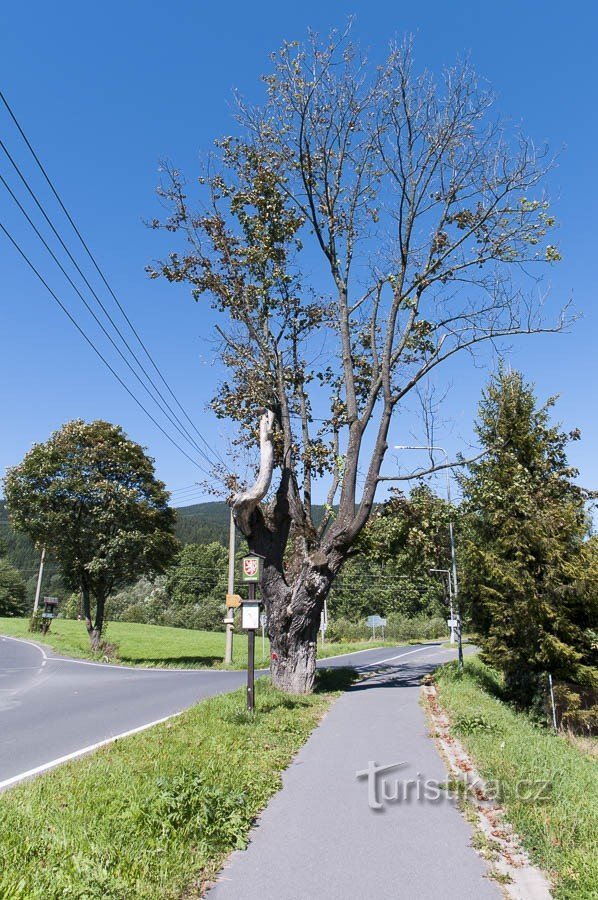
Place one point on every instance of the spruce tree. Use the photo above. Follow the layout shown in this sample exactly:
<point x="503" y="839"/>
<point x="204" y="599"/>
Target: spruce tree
<point x="523" y="563"/>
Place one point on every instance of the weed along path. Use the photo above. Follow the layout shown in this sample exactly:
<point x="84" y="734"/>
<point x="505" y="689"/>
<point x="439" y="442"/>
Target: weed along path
<point x="362" y="812"/>
<point x="53" y="709"/>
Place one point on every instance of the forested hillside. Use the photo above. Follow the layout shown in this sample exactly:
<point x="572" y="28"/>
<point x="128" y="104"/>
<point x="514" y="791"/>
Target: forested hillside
<point x="201" y="523"/>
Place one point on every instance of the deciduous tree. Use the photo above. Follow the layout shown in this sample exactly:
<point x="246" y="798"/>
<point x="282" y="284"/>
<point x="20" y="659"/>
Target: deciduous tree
<point x="359" y="233"/>
<point x="90" y="496"/>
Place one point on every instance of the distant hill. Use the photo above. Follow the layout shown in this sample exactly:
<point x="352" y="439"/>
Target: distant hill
<point x="200" y="523"/>
<point x="203" y="523"/>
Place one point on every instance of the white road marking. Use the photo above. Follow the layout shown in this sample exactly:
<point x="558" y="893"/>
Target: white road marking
<point x="15" y="779"/>
<point x="400" y="655"/>
<point x="6" y="637"/>
<point x="87" y="662"/>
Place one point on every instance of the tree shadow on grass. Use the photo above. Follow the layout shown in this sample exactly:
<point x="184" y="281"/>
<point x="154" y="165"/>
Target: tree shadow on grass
<point x="169" y="662"/>
<point x="335" y="679"/>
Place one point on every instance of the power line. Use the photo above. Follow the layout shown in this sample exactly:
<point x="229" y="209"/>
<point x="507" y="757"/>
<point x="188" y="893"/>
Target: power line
<point x="180" y="427"/>
<point x="104" y="279"/>
<point x="100" y="323"/>
<point x="98" y="352"/>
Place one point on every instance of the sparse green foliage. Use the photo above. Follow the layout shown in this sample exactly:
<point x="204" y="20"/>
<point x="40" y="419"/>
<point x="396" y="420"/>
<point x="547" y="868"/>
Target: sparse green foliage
<point x="333" y="236"/>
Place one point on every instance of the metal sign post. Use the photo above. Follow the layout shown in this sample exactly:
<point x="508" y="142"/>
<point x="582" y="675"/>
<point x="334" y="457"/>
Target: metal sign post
<point x="251" y="575"/>
<point x="251" y="656"/>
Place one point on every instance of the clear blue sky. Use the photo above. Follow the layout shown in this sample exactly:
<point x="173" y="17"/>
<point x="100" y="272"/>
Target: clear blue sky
<point x="106" y="90"/>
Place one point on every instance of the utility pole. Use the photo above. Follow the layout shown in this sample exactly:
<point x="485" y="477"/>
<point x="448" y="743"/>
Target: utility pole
<point x="449" y="584"/>
<point x="228" y="649"/>
<point x="39" y="580"/>
<point x="452" y="542"/>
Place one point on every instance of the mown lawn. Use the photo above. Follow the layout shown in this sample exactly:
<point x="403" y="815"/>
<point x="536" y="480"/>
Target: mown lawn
<point x="154" y="815"/>
<point x="560" y="832"/>
<point x="155" y="645"/>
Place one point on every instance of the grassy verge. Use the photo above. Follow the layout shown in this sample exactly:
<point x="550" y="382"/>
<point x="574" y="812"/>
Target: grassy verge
<point x="560" y="830"/>
<point x="156" y="645"/>
<point x="141" y="645"/>
<point x="156" y="814"/>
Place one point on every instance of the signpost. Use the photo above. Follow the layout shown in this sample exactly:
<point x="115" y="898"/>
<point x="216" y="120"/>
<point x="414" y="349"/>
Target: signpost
<point x="374" y="622"/>
<point x="49" y="613"/>
<point x="251" y="575"/>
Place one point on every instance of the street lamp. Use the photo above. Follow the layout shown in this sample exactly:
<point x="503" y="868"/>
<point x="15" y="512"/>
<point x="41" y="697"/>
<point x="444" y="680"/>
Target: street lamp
<point x="431" y="449"/>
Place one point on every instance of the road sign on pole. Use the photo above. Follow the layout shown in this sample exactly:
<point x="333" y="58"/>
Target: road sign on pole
<point x="374" y="622"/>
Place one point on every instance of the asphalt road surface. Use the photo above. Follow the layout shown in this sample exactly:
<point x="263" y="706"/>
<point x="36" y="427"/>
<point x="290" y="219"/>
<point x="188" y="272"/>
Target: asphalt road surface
<point x="52" y="707"/>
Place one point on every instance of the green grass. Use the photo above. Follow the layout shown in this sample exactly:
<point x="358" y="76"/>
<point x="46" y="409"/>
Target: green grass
<point x="155" y="645"/>
<point x="155" y="815"/>
<point x="561" y="832"/>
<point x="141" y="645"/>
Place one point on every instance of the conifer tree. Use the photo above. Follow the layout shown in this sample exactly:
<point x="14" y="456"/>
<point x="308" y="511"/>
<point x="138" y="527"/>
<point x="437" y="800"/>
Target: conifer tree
<point x="523" y="563"/>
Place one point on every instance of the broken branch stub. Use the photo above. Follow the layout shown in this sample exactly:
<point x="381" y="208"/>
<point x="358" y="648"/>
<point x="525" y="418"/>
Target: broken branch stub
<point x="244" y="503"/>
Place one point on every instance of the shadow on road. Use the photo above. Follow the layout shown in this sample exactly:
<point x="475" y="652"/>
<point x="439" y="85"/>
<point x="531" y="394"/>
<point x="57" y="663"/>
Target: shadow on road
<point x="385" y="676"/>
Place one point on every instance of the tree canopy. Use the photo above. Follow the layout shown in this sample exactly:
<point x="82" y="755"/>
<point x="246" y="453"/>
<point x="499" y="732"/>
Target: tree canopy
<point x="367" y="225"/>
<point x="90" y="496"/>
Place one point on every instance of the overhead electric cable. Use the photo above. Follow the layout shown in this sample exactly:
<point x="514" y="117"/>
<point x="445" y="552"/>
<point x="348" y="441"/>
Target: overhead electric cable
<point x="100" y="323"/>
<point x="98" y="352"/>
<point x="182" y="430"/>
<point x="104" y="279"/>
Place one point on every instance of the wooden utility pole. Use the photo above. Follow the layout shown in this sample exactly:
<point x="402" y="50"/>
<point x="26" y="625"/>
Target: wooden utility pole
<point x="228" y="649"/>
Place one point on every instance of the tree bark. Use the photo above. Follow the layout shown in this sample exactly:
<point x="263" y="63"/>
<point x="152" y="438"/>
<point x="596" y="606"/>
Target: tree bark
<point x="94" y="630"/>
<point x="293" y="622"/>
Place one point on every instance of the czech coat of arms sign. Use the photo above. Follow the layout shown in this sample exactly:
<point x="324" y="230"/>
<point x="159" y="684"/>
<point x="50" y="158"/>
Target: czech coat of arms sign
<point x="251" y="568"/>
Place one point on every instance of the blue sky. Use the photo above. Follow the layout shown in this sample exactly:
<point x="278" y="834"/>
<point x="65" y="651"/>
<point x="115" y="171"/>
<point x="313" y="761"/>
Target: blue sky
<point x="106" y="90"/>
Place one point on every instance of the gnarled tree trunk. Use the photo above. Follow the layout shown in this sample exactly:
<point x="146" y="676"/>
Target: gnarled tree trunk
<point x="94" y="629"/>
<point x="293" y="622"/>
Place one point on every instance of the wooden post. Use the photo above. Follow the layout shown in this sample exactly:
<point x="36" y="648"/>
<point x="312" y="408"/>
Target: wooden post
<point x="228" y="648"/>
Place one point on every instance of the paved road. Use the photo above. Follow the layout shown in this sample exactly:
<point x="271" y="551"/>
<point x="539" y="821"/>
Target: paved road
<point x="319" y="837"/>
<point x="51" y="707"/>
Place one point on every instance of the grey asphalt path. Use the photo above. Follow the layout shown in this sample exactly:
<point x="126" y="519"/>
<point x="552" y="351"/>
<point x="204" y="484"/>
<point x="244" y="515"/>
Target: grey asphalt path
<point x="319" y="839"/>
<point x="51" y="707"/>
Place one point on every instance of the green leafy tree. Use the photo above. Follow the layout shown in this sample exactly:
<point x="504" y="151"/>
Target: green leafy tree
<point x="12" y="591"/>
<point x="196" y="586"/>
<point x="90" y="496"/>
<point x="523" y="564"/>
<point x="390" y="571"/>
<point x="358" y="233"/>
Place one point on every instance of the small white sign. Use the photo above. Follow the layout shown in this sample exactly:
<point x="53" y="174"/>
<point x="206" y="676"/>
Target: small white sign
<point x="250" y="615"/>
<point x="452" y="623"/>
